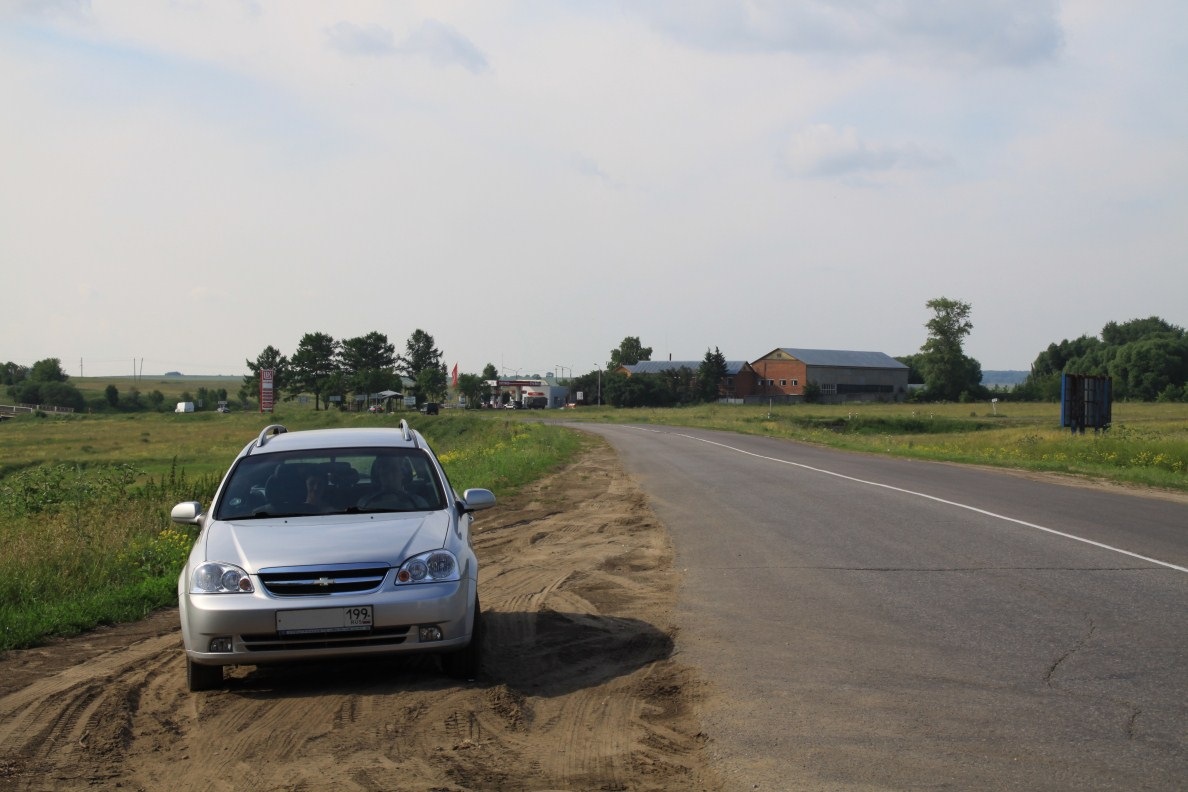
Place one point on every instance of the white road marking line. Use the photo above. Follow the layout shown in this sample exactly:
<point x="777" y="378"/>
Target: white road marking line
<point x="967" y="507"/>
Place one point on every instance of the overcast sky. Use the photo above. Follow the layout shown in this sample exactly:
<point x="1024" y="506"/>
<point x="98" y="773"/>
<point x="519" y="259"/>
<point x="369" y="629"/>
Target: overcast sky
<point x="184" y="183"/>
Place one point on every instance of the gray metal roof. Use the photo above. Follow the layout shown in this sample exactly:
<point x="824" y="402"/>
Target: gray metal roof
<point x="658" y="366"/>
<point x="840" y="358"/>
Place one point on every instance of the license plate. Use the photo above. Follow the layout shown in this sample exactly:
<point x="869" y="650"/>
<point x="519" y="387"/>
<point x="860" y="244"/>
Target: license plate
<point x="321" y="620"/>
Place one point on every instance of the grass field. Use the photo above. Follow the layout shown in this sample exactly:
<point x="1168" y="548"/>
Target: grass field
<point x="171" y="386"/>
<point x="85" y="537"/>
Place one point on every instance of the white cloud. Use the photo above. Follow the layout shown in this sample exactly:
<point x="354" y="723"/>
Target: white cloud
<point x="438" y="43"/>
<point x="351" y="39"/>
<point x="974" y="33"/>
<point x="826" y="151"/>
<point x="444" y="46"/>
<point x="588" y="167"/>
<point x="73" y="10"/>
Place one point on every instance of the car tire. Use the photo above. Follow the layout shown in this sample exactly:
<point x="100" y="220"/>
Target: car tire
<point x="465" y="663"/>
<point x="203" y="677"/>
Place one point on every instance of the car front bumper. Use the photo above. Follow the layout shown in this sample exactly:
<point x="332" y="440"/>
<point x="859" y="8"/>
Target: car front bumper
<point x="244" y="626"/>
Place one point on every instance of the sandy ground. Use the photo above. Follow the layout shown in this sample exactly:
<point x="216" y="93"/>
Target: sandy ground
<point x="580" y="689"/>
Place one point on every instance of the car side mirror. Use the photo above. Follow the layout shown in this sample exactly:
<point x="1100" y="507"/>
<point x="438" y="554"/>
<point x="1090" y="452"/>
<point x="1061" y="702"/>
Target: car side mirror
<point x="186" y="513"/>
<point x="476" y="500"/>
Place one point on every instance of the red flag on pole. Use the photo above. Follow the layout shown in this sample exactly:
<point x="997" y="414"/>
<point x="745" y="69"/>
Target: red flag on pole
<point x="455" y="383"/>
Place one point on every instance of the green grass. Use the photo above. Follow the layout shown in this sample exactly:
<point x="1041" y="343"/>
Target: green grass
<point x="171" y="387"/>
<point x="85" y="535"/>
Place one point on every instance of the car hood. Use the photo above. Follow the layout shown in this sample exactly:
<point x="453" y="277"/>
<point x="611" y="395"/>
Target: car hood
<point x="334" y="539"/>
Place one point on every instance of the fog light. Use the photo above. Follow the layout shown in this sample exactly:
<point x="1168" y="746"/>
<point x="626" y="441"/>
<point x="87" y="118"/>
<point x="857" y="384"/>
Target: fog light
<point x="221" y="644"/>
<point x="432" y="633"/>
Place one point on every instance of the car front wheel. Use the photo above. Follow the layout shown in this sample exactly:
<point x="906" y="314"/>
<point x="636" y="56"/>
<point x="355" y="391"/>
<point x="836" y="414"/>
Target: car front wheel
<point x="203" y="677"/>
<point x="464" y="663"/>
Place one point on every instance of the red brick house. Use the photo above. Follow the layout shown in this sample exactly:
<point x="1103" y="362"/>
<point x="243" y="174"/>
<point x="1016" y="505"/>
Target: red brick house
<point x="840" y="375"/>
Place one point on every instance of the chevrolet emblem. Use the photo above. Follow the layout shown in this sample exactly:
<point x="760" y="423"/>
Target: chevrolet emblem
<point x="324" y="582"/>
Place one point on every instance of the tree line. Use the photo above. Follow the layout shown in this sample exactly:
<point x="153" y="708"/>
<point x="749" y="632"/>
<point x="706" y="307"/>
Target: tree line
<point x="326" y="367"/>
<point x="46" y="383"/>
<point x="1146" y="358"/>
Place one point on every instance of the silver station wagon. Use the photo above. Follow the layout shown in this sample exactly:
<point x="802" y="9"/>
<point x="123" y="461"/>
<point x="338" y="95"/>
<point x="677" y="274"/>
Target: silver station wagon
<point x="331" y="543"/>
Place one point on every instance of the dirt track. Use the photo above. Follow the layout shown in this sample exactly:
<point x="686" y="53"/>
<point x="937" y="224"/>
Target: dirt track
<point x="579" y="690"/>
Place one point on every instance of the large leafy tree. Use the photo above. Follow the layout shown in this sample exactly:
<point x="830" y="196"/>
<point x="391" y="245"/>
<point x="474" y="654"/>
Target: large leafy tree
<point x="420" y="353"/>
<point x="668" y="388"/>
<point x="44" y="383"/>
<point x="421" y="362"/>
<point x="12" y="373"/>
<point x="490" y="374"/>
<point x="948" y="373"/>
<point x="589" y="385"/>
<point x="676" y="386"/>
<point x="472" y="387"/>
<point x="48" y="370"/>
<point x="710" y="375"/>
<point x="1117" y="334"/>
<point x="620" y="390"/>
<point x="913" y="364"/>
<point x="628" y="353"/>
<point x="432" y="384"/>
<point x="50" y="394"/>
<point x="269" y="358"/>
<point x="368" y="362"/>
<point x="1146" y="369"/>
<point x="314" y="366"/>
<point x="1043" y="381"/>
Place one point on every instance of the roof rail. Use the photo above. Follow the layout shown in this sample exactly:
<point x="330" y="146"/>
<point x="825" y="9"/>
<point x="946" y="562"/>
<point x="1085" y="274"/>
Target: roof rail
<point x="269" y="431"/>
<point x="404" y="428"/>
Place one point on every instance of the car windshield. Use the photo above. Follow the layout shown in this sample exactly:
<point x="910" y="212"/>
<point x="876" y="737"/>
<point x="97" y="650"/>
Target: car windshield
<point x="330" y="481"/>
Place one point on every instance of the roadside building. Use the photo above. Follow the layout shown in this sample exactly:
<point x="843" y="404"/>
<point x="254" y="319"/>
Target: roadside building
<point x="839" y="375"/>
<point x="528" y="393"/>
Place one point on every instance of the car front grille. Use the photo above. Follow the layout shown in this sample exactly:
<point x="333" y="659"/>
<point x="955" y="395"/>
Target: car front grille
<point x="385" y="636"/>
<point x="322" y="581"/>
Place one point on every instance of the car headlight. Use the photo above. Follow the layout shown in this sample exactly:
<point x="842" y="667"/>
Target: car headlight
<point x="433" y="567"/>
<point x="215" y="578"/>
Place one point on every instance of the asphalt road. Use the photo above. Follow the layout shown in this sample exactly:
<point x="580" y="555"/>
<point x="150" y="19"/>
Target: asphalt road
<point x="873" y="623"/>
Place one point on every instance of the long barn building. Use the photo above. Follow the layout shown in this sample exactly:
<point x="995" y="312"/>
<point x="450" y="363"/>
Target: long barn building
<point x="840" y="375"/>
